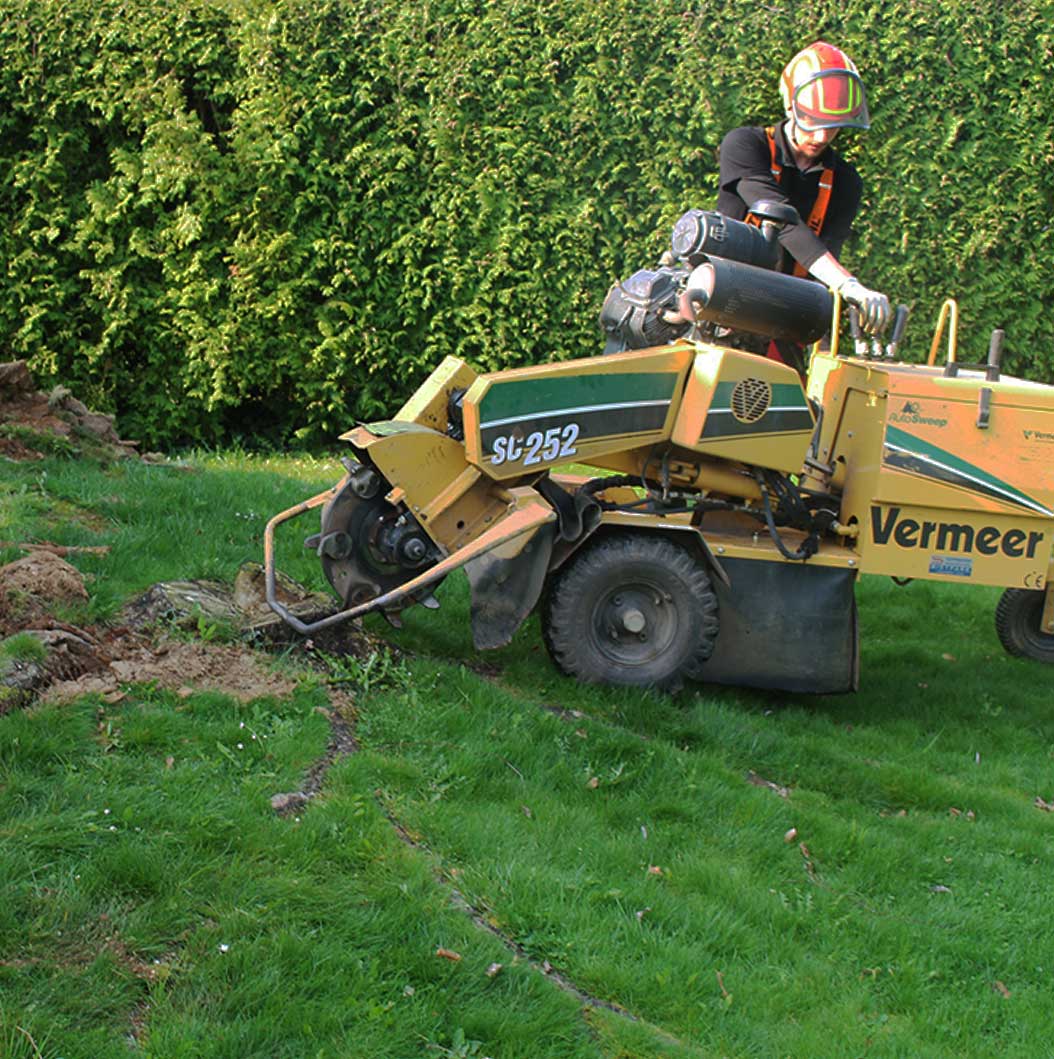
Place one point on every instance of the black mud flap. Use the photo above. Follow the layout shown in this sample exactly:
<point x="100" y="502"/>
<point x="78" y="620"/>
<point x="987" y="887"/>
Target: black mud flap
<point x="504" y="591"/>
<point x="786" y="626"/>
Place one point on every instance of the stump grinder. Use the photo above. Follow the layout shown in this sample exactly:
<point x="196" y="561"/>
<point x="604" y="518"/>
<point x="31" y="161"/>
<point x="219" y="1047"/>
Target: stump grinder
<point x="681" y="507"/>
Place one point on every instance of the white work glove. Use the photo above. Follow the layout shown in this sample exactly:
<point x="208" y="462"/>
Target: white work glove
<point x="873" y="306"/>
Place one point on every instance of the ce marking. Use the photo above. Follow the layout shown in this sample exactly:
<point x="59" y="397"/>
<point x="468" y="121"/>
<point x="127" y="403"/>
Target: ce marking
<point x="1035" y="580"/>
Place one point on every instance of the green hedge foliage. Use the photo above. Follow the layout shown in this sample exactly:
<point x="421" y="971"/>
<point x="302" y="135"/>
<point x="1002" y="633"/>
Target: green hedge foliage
<point x="259" y="219"/>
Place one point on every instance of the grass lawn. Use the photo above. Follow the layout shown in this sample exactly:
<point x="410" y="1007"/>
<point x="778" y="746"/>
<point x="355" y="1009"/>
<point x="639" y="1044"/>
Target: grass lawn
<point x="513" y="864"/>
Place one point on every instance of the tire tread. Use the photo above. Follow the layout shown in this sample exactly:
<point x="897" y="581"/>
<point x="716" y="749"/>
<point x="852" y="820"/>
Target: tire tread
<point x="1017" y="617"/>
<point x="562" y="618"/>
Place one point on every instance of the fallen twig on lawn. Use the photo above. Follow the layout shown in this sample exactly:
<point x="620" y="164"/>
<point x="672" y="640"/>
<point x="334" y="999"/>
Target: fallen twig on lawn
<point x="33" y="1044"/>
<point x="61" y="550"/>
<point x="760" y="781"/>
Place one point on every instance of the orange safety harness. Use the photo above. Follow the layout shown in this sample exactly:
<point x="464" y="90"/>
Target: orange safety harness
<point x="815" y="223"/>
<point x="823" y="194"/>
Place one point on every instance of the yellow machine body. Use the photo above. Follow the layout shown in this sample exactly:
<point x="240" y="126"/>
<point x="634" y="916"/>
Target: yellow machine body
<point x="782" y="493"/>
<point x="948" y="478"/>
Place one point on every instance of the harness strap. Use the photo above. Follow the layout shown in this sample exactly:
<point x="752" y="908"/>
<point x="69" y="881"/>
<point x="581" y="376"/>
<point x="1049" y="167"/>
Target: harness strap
<point x="823" y="200"/>
<point x="823" y="195"/>
<point x="777" y="169"/>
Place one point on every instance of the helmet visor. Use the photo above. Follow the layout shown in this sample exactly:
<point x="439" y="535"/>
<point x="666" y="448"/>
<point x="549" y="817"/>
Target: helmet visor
<point x="832" y="99"/>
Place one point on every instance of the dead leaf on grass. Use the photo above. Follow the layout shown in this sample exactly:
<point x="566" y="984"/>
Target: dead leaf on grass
<point x="1047" y="807"/>
<point x="654" y="869"/>
<point x="1000" y="988"/>
<point x="449" y="954"/>
<point x="791" y="835"/>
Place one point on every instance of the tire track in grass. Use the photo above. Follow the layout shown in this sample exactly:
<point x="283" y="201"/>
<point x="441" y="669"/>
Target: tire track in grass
<point x="544" y="967"/>
<point x="344" y="743"/>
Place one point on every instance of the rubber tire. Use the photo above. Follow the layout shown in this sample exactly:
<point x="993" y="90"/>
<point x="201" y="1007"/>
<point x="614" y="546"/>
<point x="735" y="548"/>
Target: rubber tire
<point x="1017" y="618"/>
<point x="659" y="579"/>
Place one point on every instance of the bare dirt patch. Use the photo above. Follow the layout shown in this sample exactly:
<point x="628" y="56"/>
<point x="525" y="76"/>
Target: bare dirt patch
<point x="102" y="658"/>
<point x="34" y="424"/>
<point x="181" y="667"/>
<point x="151" y="644"/>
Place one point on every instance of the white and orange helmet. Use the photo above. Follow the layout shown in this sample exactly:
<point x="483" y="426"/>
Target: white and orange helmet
<point x="821" y="89"/>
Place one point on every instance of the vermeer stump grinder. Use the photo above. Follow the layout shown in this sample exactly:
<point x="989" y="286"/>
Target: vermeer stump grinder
<point x="684" y="508"/>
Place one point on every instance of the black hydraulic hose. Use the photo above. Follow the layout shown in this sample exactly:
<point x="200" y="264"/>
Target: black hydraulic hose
<point x="809" y="546"/>
<point x="596" y="485"/>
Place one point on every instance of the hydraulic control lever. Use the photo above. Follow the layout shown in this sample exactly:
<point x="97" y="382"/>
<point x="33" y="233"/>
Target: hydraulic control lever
<point x="859" y="342"/>
<point x="900" y="321"/>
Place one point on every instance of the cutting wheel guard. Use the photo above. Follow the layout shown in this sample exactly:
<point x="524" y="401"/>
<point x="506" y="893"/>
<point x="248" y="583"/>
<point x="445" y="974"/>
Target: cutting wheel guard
<point x="525" y="517"/>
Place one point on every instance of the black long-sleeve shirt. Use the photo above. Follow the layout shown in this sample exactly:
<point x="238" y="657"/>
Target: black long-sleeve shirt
<point x="745" y="177"/>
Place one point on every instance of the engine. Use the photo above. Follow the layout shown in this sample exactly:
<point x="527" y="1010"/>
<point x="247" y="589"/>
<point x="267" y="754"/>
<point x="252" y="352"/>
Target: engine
<point x="719" y="277"/>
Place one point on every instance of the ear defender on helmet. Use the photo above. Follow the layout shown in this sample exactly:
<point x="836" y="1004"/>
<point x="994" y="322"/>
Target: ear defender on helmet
<point x="821" y="89"/>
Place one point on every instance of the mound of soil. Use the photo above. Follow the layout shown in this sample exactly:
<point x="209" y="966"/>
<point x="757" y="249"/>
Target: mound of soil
<point x="31" y="586"/>
<point x="34" y="424"/>
<point x="146" y="646"/>
<point x="149" y="643"/>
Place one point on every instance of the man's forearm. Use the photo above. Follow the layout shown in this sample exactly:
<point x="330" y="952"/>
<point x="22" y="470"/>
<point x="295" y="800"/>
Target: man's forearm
<point x="829" y="272"/>
<point x="872" y="305"/>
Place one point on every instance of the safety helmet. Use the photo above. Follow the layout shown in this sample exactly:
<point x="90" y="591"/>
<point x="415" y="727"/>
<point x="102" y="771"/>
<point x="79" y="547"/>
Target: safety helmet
<point x="821" y="89"/>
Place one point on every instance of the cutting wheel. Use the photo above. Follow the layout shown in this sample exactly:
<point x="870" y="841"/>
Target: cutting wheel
<point x="356" y="542"/>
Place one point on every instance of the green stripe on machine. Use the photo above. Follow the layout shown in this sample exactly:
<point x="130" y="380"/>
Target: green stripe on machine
<point x="785" y="395"/>
<point x="911" y="453"/>
<point x="788" y="410"/>
<point x="524" y="399"/>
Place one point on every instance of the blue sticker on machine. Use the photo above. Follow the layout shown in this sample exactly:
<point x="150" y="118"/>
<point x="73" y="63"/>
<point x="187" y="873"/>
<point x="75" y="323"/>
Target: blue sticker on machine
<point x="952" y="565"/>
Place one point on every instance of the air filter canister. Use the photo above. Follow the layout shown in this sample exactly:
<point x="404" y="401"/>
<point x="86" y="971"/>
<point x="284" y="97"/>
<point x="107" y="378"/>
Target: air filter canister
<point x="747" y="298"/>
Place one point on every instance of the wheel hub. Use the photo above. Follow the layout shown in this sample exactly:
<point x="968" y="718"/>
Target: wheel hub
<point x="633" y="625"/>
<point x="632" y="620"/>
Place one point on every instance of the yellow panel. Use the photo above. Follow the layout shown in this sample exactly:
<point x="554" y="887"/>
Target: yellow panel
<point x="933" y="494"/>
<point x="529" y="419"/>
<point x="428" y="405"/>
<point x="742" y="407"/>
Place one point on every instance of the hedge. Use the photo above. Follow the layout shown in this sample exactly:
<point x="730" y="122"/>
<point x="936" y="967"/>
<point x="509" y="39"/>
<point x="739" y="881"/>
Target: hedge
<point x="260" y="220"/>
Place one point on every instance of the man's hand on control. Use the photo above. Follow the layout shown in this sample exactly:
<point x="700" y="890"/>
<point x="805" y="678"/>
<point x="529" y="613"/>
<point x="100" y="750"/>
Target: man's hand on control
<point x="872" y="304"/>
